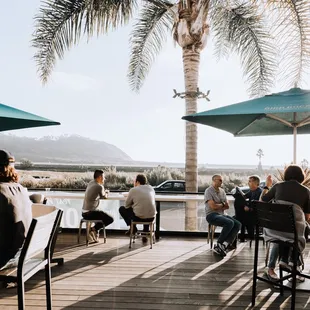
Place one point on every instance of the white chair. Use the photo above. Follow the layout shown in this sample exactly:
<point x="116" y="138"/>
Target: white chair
<point x="35" y="254"/>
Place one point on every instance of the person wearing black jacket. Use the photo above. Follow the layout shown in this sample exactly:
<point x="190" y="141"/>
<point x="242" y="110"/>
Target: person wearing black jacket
<point x="243" y="209"/>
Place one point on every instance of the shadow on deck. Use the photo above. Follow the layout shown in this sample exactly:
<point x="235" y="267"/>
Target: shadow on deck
<point x="177" y="274"/>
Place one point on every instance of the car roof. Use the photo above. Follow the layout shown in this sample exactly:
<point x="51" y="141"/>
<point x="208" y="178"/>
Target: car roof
<point x="173" y="181"/>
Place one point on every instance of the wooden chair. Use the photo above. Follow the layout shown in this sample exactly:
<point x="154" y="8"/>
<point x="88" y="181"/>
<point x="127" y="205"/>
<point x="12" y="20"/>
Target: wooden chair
<point x="211" y="230"/>
<point x="281" y="218"/>
<point x="88" y="225"/>
<point x="34" y="255"/>
<point x="150" y="234"/>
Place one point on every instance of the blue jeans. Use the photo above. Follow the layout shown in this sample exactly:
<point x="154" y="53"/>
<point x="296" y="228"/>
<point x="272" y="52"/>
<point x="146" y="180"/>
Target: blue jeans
<point x="274" y="254"/>
<point x="285" y="256"/>
<point x="230" y="226"/>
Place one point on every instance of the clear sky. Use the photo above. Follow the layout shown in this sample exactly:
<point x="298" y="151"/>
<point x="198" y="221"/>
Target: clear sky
<point x="89" y="94"/>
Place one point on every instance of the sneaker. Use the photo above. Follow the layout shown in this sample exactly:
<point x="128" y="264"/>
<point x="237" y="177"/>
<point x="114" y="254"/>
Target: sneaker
<point x="220" y="249"/>
<point x="94" y="235"/>
<point x="271" y="275"/>
<point x="232" y="246"/>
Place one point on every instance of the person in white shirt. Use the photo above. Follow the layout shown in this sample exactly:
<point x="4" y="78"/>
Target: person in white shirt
<point x="140" y="204"/>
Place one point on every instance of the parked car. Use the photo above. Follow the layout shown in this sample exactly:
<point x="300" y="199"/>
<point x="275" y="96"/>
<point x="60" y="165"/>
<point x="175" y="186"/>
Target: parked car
<point x="245" y="189"/>
<point x="171" y="186"/>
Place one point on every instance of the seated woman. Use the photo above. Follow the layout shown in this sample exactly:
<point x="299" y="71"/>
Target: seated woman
<point x="15" y="210"/>
<point x="290" y="191"/>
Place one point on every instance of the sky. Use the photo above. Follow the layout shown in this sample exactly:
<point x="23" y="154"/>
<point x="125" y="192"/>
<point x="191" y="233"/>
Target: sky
<point x="88" y="93"/>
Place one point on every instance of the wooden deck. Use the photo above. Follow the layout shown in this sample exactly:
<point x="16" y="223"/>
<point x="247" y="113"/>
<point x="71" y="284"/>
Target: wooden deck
<point x="177" y="274"/>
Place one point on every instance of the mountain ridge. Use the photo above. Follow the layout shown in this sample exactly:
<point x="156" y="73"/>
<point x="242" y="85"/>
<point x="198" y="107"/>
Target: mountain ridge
<point x="64" y="149"/>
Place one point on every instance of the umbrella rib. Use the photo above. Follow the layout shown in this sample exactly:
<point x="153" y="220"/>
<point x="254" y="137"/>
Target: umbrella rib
<point x="304" y="122"/>
<point x="279" y="119"/>
<point x="248" y="125"/>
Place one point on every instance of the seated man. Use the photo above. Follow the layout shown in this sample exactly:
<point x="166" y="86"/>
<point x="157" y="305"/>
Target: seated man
<point x="244" y="212"/>
<point x="94" y="192"/>
<point x="15" y="210"/>
<point x="140" y="204"/>
<point x="216" y="203"/>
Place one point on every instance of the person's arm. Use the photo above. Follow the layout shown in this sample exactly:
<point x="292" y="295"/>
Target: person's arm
<point x="102" y="193"/>
<point x="267" y="193"/>
<point x="217" y="206"/>
<point x="129" y="200"/>
<point x="211" y="203"/>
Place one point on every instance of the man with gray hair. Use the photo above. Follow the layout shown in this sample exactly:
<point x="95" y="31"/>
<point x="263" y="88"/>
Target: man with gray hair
<point x="216" y="203"/>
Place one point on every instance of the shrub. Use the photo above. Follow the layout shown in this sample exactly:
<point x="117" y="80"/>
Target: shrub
<point x="160" y="174"/>
<point x="25" y="164"/>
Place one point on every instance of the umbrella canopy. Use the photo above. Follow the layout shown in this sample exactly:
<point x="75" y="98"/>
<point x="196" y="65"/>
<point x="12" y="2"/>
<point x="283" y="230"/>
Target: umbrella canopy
<point x="11" y="118"/>
<point x="276" y="114"/>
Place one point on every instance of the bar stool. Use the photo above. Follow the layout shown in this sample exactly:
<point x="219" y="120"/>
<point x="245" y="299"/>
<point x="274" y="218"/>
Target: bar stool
<point x="88" y="225"/>
<point x="150" y="234"/>
<point x="211" y="230"/>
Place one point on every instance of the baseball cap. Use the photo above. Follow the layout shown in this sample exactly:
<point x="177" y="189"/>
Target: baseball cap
<point x="6" y="158"/>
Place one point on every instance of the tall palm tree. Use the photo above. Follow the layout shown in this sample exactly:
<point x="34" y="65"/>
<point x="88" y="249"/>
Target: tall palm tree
<point x="237" y="26"/>
<point x="260" y="154"/>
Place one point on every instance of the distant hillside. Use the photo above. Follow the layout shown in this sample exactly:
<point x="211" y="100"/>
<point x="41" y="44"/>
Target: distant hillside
<point x="63" y="149"/>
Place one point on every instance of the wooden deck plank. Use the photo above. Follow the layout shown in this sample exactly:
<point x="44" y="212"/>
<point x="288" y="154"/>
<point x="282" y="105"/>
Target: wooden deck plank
<point x="176" y="274"/>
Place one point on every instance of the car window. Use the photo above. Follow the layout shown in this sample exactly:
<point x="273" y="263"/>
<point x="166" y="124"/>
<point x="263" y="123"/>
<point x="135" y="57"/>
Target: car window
<point x="168" y="185"/>
<point x="179" y="186"/>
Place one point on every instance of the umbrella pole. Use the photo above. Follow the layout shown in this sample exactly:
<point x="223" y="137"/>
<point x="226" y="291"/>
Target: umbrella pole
<point x="295" y="143"/>
<point x="295" y="137"/>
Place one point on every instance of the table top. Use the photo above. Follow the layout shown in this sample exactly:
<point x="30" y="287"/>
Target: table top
<point x="123" y="196"/>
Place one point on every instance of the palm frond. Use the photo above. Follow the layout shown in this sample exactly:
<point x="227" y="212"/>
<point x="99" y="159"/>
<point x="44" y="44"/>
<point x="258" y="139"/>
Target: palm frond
<point x="241" y="28"/>
<point x="293" y="31"/>
<point x="149" y="32"/>
<point x="60" y="23"/>
<point x="306" y="182"/>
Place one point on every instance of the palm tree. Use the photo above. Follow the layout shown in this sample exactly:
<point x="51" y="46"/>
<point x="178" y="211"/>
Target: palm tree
<point x="237" y="26"/>
<point x="304" y="163"/>
<point x="260" y="154"/>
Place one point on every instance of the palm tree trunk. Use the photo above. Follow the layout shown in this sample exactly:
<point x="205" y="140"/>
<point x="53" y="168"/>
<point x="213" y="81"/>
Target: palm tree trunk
<point x="191" y="61"/>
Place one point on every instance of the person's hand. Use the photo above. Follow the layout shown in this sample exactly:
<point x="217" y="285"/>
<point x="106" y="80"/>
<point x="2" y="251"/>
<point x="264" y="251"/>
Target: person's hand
<point x="246" y="209"/>
<point x="269" y="181"/>
<point x="106" y="193"/>
<point x="226" y="206"/>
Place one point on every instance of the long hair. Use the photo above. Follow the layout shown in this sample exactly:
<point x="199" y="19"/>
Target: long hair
<point x="8" y="174"/>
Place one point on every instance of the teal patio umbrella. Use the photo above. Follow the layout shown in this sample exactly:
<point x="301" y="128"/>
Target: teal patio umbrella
<point x="281" y="113"/>
<point x="11" y="118"/>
